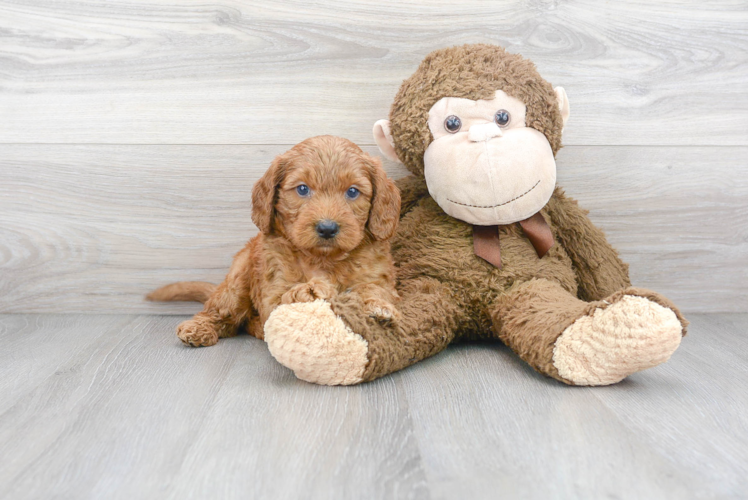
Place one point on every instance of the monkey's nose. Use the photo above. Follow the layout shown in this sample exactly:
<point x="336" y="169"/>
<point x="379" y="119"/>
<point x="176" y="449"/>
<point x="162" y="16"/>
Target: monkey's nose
<point x="327" y="229"/>
<point x="484" y="132"/>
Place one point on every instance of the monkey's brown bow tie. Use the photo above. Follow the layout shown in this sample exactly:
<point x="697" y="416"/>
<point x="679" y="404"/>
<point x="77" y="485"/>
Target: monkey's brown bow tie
<point x="486" y="239"/>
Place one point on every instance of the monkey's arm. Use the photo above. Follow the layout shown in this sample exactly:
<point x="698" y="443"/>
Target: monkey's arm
<point x="412" y="189"/>
<point x="340" y="345"/>
<point x="600" y="271"/>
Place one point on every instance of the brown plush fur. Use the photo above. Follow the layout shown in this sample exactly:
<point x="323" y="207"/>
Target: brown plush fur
<point x="288" y="262"/>
<point x="447" y="292"/>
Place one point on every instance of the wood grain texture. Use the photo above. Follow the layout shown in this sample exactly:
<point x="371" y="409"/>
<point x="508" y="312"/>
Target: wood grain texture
<point x="93" y="228"/>
<point x="134" y="414"/>
<point x="87" y="223"/>
<point x="131" y="133"/>
<point x="276" y="72"/>
<point x="678" y="216"/>
<point x="120" y="409"/>
<point x="488" y="423"/>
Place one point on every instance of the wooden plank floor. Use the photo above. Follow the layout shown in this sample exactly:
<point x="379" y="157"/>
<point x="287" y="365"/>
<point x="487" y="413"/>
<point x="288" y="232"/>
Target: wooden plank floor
<point x="114" y="407"/>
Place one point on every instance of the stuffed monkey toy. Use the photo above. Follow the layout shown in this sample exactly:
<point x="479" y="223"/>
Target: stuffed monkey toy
<point x="487" y="246"/>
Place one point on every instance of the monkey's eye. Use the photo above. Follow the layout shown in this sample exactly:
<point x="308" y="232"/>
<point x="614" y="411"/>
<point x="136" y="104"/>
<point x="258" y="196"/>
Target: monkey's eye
<point x="352" y="193"/>
<point x="502" y="118"/>
<point x="452" y="124"/>
<point x="303" y="190"/>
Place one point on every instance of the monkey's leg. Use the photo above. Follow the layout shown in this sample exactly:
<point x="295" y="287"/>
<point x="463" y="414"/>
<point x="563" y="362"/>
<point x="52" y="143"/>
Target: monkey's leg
<point x="587" y="343"/>
<point x="224" y="311"/>
<point x="338" y="343"/>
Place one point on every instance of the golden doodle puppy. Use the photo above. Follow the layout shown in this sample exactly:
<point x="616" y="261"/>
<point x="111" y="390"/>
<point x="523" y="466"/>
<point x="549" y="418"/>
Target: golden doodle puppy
<point x="326" y="211"/>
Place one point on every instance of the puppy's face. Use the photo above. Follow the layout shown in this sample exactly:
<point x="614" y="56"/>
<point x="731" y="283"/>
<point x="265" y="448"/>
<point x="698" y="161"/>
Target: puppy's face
<point x="324" y="199"/>
<point x="328" y="193"/>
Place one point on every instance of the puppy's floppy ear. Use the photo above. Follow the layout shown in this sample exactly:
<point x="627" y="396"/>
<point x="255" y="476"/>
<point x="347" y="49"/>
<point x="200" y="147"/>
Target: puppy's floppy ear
<point x="385" y="203"/>
<point x="264" y="194"/>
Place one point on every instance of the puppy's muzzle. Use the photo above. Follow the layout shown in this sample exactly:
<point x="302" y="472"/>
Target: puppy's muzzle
<point x="327" y="229"/>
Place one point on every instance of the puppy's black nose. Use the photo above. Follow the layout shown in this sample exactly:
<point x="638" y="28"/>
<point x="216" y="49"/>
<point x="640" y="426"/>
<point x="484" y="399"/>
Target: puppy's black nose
<point x="327" y="229"/>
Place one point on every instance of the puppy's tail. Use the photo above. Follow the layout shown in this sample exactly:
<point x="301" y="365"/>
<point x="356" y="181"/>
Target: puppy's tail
<point x="191" y="291"/>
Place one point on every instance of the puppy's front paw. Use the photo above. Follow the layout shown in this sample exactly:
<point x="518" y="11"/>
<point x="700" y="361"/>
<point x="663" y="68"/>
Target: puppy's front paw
<point x="197" y="333"/>
<point x="381" y="310"/>
<point x="308" y="292"/>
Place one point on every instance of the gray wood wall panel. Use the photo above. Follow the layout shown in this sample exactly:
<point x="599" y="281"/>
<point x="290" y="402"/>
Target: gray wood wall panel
<point x="270" y="72"/>
<point x="132" y="131"/>
<point x="91" y="228"/>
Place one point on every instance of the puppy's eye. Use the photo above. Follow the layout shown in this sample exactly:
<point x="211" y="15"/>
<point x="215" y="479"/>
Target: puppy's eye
<point x="352" y="193"/>
<point x="303" y="190"/>
<point x="453" y="124"/>
<point x="502" y="118"/>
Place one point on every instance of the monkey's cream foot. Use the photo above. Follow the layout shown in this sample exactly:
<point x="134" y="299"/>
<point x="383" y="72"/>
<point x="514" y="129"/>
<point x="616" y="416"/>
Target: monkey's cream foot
<point x="312" y="341"/>
<point x="197" y="333"/>
<point x="628" y="336"/>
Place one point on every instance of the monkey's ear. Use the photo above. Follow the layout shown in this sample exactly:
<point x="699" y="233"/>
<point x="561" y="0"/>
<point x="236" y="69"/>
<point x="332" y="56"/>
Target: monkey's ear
<point x="385" y="204"/>
<point x="383" y="138"/>
<point x="563" y="103"/>
<point x="263" y="195"/>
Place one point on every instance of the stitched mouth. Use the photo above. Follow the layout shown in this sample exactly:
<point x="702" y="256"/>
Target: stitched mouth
<point x="494" y="206"/>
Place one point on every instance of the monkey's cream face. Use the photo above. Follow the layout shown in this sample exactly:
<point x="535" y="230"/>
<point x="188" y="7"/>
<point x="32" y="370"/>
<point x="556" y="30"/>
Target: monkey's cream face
<point x="485" y="166"/>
